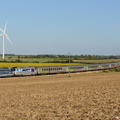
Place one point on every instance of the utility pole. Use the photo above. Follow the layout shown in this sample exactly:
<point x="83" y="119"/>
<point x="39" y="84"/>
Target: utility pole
<point x="9" y="60"/>
<point x="69" y="64"/>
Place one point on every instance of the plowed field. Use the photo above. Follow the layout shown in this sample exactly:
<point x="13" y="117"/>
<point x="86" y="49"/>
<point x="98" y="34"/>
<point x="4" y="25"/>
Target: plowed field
<point x="83" y="96"/>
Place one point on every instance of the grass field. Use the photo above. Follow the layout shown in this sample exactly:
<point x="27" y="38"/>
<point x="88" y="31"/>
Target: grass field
<point x="13" y="58"/>
<point x="98" y="61"/>
<point x="83" y="96"/>
<point x="41" y="62"/>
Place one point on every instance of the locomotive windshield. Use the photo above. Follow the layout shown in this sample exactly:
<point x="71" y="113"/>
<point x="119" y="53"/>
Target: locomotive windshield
<point x="13" y="69"/>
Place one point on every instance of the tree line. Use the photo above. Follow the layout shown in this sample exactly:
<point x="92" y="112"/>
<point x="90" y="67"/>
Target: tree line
<point x="75" y="57"/>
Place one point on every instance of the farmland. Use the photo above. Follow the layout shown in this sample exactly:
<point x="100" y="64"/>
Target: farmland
<point x="15" y="61"/>
<point x="83" y="96"/>
<point x="33" y="64"/>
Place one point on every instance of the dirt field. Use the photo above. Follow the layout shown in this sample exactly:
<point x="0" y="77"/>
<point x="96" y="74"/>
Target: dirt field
<point x="83" y="96"/>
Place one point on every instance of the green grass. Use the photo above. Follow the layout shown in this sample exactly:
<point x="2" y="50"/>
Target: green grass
<point x="43" y="60"/>
<point x="98" y="61"/>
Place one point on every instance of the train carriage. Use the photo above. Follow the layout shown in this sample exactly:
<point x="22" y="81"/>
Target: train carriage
<point x="94" y="67"/>
<point x="77" y="68"/>
<point x="5" y="72"/>
<point x="51" y="69"/>
<point x="106" y="66"/>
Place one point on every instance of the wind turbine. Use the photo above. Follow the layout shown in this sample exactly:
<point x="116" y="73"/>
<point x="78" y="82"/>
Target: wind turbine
<point x="4" y="36"/>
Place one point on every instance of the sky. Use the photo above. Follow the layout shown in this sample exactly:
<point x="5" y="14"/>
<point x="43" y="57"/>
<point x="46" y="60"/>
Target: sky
<point x="61" y="27"/>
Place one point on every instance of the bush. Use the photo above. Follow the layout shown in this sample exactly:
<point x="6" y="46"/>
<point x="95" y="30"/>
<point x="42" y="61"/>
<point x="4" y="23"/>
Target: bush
<point x="17" y="60"/>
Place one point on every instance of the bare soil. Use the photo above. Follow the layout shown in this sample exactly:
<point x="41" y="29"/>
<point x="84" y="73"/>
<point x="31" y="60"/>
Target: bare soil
<point x="82" y="96"/>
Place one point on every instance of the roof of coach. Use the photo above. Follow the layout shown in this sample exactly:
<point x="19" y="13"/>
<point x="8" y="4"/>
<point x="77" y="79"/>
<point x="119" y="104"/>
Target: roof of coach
<point x="4" y="68"/>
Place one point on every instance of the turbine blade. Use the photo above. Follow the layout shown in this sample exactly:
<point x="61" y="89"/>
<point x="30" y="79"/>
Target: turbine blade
<point x="1" y="30"/>
<point x="4" y="34"/>
<point x="8" y="38"/>
<point x="5" y="26"/>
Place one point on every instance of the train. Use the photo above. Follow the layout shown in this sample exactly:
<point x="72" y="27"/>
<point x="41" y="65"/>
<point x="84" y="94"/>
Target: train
<point x="5" y="72"/>
<point x="30" y="70"/>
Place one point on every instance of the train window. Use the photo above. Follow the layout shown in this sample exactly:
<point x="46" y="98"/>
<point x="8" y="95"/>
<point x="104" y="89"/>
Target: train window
<point x="13" y="69"/>
<point x="46" y="69"/>
<point x="32" y="70"/>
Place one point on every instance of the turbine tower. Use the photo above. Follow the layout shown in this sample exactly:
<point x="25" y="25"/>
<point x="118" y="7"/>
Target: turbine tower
<point x="4" y="36"/>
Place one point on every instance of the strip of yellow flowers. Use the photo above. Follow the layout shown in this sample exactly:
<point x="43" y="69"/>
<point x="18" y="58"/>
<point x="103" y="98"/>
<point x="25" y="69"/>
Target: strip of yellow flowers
<point x="34" y="64"/>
